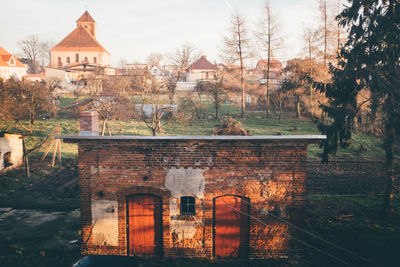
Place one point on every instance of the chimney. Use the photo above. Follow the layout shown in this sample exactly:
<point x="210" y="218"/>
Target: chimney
<point x="89" y="123"/>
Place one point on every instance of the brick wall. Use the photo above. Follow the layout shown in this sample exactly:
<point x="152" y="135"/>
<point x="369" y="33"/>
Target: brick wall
<point x="271" y="174"/>
<point x="347" y="177"/>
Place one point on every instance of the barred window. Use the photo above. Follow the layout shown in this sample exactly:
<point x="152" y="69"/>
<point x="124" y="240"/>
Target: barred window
<point x="188" y="206"/>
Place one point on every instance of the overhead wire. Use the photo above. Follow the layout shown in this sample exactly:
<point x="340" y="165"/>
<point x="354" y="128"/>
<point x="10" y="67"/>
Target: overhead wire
<point x="290" y="236"/>
<point x="309" y="233"/>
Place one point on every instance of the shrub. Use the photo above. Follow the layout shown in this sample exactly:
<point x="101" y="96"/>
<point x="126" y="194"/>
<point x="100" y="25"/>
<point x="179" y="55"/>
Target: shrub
<point x="230" y="126"/>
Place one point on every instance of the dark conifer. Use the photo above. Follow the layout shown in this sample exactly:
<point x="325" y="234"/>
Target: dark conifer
<point x="370" y="59"/>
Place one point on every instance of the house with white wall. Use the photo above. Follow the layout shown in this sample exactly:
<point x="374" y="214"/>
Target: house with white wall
<point x="10" y="66"/>
<point x="201" y="70"/>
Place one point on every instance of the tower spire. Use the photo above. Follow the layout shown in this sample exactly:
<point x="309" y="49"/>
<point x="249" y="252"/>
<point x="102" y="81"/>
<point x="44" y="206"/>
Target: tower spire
<point x="87" y="22"/>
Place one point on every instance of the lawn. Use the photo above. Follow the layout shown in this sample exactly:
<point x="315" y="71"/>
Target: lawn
<point x="362" y="145"/>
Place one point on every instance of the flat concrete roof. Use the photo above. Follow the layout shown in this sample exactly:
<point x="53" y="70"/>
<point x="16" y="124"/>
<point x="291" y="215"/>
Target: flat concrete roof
<point x="306" y="138"/>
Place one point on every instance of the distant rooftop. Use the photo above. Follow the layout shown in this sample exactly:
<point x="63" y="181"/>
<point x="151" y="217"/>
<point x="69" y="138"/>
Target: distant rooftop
<point x="202" y="64"/>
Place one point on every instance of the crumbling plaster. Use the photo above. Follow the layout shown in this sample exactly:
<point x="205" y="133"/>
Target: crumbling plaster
<point x="105" y="222"/>
<point x="185" y="182"/>
<point x="11" y="143"/>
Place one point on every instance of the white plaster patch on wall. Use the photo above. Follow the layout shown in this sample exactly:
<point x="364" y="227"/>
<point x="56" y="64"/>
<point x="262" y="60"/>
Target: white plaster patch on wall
<point x="184" y="182"/>
<point x="93" y="170"/>
<point x="184" y="229"/>
<point x="11" y="143"/>
<point x="105" y="221"/>
<point x="173" y="207"/>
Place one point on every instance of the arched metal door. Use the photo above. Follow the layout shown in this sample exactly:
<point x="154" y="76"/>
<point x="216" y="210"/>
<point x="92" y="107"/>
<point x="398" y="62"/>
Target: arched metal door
<point x="231" y="227"/>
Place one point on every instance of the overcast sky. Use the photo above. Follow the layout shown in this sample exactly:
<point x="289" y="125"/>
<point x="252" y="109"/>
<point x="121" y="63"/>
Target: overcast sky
<point x="131" y="29"/>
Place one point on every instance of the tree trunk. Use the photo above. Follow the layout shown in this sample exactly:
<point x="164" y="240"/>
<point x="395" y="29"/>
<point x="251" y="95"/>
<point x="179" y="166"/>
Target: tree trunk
<point x="298" y="111"/>
<point x="103" y="128"/>
<point x="268" y="60"/>
<point x="243" y="98"/>
<point x="241" y="72"/>
<point x="216" y="113"/>
<point x="390" y="172"/>
<point x="108" y="128"/>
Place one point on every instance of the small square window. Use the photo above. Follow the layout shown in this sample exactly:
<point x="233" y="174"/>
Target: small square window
<point x="188" y="206"/>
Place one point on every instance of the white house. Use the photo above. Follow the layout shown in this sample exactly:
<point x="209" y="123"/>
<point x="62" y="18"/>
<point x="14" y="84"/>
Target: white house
<point x="10" y="66"/>
<point x="201" y="70"/>
<point x="158" y="74"/>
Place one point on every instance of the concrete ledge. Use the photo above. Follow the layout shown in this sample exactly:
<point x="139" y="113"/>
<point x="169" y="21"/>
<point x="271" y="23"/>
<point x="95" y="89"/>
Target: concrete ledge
<point x="271" y="138"/>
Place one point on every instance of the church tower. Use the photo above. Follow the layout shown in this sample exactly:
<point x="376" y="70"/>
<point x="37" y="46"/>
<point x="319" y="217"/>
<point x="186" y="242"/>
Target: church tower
<point x="87" y="22"/>
<point x="80" y="46"/>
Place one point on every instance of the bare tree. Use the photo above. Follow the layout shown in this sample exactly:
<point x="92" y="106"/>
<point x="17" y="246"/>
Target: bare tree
<point x="32" y="49"/>
<point x="331" y="34"/>
<point x="236" y="47"/>
<point x="310" y="38"/>
<point x="112" y="102"/>
<point x="216" y="90"/>
<point x="25" y="101"/>
<point x="140" y="80"/>
<point x="45" y="52"/>
<point x="159" y="115"/>
<point x="297" y="84"/>
<point x="154" y="59"/>
<point x="270" y="42"/>
<point x="182" y="57"/>
<point x="171" y="87"/>
<point x="324" y="13"/>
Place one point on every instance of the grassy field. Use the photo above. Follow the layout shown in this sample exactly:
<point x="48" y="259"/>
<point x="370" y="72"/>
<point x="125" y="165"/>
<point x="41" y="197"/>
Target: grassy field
<point x="362" y="146"/>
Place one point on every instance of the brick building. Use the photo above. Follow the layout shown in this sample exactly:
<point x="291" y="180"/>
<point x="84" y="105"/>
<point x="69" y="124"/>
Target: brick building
<point x="190" y="196"/>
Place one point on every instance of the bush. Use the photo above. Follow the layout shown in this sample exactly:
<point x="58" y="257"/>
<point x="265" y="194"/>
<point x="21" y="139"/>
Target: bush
<point x="230" y="126"/>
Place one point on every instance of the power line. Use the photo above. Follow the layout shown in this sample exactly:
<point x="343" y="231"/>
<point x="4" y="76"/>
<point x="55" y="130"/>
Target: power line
<point x="292" y="237"/>
<point x="309" y="233"/>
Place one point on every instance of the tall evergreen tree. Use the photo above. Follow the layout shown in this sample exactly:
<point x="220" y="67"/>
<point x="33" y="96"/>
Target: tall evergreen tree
<point x="369" y="59"/>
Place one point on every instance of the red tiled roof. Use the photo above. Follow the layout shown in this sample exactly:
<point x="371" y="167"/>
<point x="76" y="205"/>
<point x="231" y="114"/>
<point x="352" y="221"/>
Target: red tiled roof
<point x="273" y="64"/>
<point x="85" y="17"/>
<point x="79" y="40"/>
<point x="5" y="58"/>
<point x="202" y="64"/>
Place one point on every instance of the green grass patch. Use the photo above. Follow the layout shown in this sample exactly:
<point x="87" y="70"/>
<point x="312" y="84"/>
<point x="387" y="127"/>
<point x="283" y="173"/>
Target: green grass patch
<point x="362" y="145"/>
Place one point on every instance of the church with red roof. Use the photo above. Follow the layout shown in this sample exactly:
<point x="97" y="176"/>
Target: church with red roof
<point x="80" y="46"/>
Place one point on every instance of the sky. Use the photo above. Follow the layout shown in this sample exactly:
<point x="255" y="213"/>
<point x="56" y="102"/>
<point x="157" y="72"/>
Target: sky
<point x="132" y="29"/>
